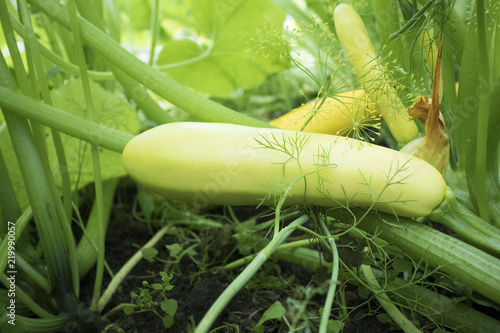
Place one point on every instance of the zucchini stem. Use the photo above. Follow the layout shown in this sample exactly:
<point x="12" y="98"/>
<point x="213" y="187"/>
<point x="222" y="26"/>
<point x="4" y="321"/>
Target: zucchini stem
<point x="466" y="224"/>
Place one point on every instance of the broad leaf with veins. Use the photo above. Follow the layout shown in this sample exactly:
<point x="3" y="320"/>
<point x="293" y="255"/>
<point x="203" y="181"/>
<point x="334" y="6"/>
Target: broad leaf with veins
<point x="219" y="60"/>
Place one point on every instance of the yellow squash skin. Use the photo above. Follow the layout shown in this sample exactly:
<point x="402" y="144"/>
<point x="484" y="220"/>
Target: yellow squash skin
<point x="340" y="115"/>
<point x="352" y="34"/>
<point x="224" y="164"/>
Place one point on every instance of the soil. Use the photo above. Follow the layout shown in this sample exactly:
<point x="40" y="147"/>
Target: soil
<point x="195" y="296"/>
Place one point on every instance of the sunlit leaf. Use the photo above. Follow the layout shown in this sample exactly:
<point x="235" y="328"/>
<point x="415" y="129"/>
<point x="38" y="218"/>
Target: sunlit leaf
<point x="275" y="311"/>
<point x="219" y="60"/>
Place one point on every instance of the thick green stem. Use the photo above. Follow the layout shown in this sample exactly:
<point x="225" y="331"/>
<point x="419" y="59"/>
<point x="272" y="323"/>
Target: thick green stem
<point x="138" y="93"/>
<point x="493" y="182"/>
<point x="161" y="84"/>
<point x="21" y="223"/>
<point x="65" y="122"/>
<point x="56" y="59"/>
<point x="438" y="308"/>
<point x="35" y="325"/>
<point x="43" y="205"/>
<point x="483" y="115"/>
<point x="466" y="224"/>
<point x="22" y="297"/>
<point x="465" y="263"/>
<point x="9" y="207"/>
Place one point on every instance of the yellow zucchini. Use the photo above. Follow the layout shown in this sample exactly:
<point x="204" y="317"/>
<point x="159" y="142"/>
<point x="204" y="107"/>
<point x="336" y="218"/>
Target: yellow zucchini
<point x="354" y="38"/>
<point x="348" y="114"/>
<point x="225" y="164"/>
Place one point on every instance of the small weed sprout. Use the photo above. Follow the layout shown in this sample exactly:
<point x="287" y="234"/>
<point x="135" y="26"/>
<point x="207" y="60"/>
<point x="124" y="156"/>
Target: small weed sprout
<point x="153" y="297"/>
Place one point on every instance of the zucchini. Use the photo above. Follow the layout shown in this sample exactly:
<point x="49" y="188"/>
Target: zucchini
<point x="348" y="113"/>
<point x="226" y="164"/>
<point x="353" y="36"/>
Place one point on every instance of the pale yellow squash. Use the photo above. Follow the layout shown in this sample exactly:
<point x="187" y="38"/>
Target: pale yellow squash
<point x="225" y="164"/>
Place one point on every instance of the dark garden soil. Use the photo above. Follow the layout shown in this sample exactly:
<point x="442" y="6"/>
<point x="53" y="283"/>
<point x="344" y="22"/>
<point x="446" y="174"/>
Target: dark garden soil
<point x="195" y="296"/>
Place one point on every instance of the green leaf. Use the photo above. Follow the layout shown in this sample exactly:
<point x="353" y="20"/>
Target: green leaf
<point x="128" y="309"/>
<point x="165" y="277"/>
<point x="168" y="321"/>
<point x="174" y="249"/>
<point x="402" y="265"/>
<point x="149" y="253"/>
<point x="364" y="292"/>
<point x="157" y="286"/>
<point x="335" y="326"/>
<point x="275" y="311"/>
<point x="169" y="306"/>
<point x="218" y="60"/>
<point x="110" y="109"/>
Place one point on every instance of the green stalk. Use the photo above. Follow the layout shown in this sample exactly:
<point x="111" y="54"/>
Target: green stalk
<point x="9" y="206"/>
<point x="43" y="325"/>
<point x="37" y="188"/>
<point x="493" y="183"/>
<point x="327" y="309"/>
<point x="245" y="276"/>
<point x="143" y="99"/>
<point x="63" y="121"/>
<point x="125" y="269"/>
<point x="161" y="84"/>
<point x="496" y="49"/>
<point x="89" y="103"/>
<point x="140" y="95"/>
<point x="465" y="263"/>
<point x="113" y="19"/>
<point x="31" y="274"/>
<point x="87" y="249"/>
<point x="155" y="29"/>
<point x="245" y="260"/>
<point x="22" y="297"/>
<point x="21" y="223"/>
<point x="10" y="39"/>
<point x="56" y="59"/>
<point x="473" y="94"/>
<point x="389" y="306"/>
<point x="438" y="308"/>
<point x="466" y="224"/>
<point x="483" y="115"/>
<point x="64" y="209"/>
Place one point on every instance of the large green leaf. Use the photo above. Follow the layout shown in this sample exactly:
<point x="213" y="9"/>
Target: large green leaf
<point x="110" y="110"/>
<point x="221" y="61"/>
